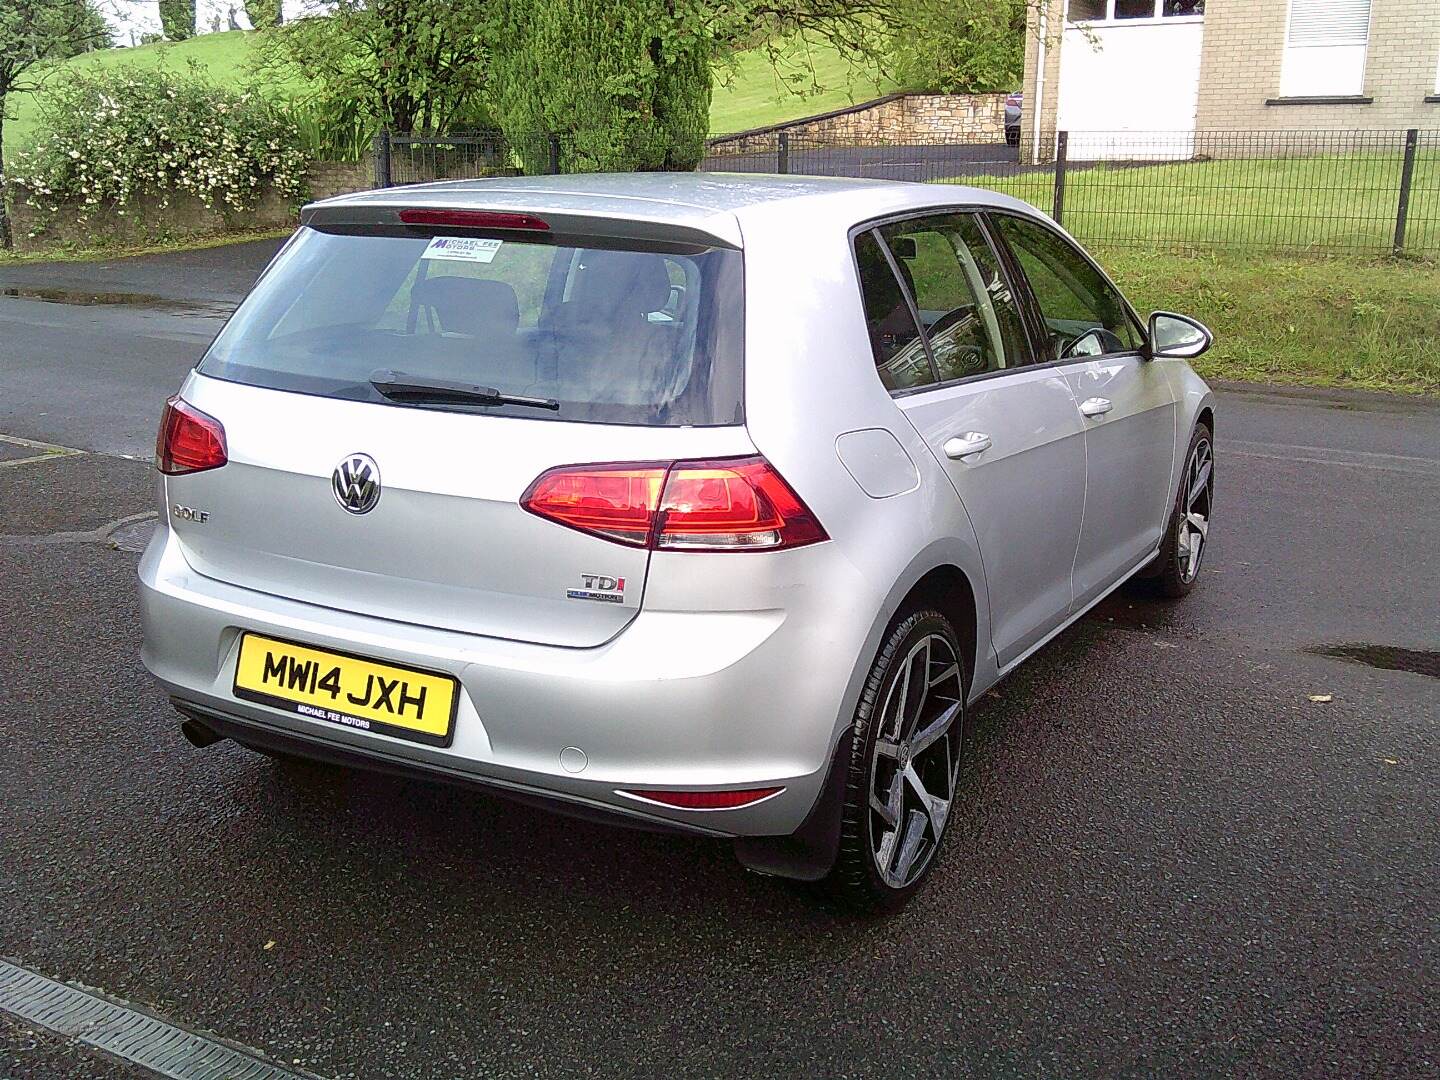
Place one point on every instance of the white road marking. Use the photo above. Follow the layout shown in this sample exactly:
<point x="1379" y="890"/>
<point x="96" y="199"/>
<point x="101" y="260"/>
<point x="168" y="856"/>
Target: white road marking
<point x="1321" y="455"/>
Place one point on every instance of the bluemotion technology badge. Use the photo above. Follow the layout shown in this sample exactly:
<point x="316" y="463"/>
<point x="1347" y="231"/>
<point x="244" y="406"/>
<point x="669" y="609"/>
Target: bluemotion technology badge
<point x="608" y="590"/>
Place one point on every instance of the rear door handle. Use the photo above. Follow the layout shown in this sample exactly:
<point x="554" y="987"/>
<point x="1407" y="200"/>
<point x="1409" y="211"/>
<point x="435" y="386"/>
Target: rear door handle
<point x="967" y="445"/>
<point x="1096" y="406"/>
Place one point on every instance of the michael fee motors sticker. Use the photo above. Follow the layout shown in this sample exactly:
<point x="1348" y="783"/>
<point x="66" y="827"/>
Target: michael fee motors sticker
<point x="470" y="249"/>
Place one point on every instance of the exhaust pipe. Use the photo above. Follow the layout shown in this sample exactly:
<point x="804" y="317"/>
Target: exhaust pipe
<point x="197" y="734"/>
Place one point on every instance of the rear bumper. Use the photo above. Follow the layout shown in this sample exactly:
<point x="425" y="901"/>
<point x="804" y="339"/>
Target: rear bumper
<point x="678" y="700"/>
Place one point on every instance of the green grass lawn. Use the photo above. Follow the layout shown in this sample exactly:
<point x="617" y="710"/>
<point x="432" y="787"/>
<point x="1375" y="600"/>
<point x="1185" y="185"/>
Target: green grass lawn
<point x="1366" y="324"/>
<point x="757" y="94"/>
<point x="1306" y="203"/>
<point x="754" y="94"/>
<point x="226" y="57"/>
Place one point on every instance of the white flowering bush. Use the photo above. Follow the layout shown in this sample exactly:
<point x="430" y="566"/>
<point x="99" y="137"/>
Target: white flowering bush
<point x="112" y="137"/>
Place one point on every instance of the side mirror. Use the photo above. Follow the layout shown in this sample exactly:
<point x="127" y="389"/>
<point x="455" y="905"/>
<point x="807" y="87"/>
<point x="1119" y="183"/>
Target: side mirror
<point x="1178" y="336"/>
<point x="903" y="247"/>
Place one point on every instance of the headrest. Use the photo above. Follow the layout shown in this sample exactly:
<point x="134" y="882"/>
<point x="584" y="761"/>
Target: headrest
<point x="629" y="282"/>
<point x="472" y="306"/>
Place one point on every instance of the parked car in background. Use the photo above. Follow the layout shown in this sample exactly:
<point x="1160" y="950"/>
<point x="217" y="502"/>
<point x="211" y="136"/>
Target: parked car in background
<point x="686" y="501"/>
<point x="1013" y="105"/>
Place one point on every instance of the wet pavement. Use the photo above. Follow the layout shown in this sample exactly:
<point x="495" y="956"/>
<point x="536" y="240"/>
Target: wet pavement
<point x="1169" y="857"/>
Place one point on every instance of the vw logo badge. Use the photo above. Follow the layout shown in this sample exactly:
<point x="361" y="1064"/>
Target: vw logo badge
<point x="356" y="483"/>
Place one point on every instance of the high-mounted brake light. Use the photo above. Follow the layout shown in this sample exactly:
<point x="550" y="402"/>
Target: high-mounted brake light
<point x="474" y="219"/>
<point x="707" y="800"/>
<point x="189" y="440"/>
<point x="730" y="504"/>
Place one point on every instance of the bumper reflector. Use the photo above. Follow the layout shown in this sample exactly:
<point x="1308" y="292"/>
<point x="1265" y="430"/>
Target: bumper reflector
<point x="707" y="800"/>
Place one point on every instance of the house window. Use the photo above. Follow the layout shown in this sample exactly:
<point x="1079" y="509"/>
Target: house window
<point x="1325" y="48"/>
<point x="1120" y="11"/>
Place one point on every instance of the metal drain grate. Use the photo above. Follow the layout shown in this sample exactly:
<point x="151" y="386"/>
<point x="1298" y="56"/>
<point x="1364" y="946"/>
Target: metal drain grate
<point x="130" y="1035"/>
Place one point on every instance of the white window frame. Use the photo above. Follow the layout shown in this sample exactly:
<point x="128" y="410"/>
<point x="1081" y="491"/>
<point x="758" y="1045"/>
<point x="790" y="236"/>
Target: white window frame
<point x="1336" y="59"/>
<point x="1111" y="20"/>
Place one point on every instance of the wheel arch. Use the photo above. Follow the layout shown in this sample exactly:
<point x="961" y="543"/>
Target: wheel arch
<point x="949" y="591"/>
<point x="934" y="578"/>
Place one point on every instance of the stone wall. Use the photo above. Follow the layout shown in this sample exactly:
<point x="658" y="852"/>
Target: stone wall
<point x="331" y="178"/>
<point x="897" y="120"/>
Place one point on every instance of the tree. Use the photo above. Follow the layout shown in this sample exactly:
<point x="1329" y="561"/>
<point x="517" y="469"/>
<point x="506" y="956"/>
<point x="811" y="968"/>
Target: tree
<point x="626" y="84"/>
<point x="265" y="14"/>
<point x="410" y="65"/>
<point x="958" y="46"/>
<point x="177" y="19"/>
<point x="33" y="33"/>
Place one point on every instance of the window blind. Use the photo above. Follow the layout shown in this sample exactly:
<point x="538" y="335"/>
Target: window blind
<point x="1329" y="22"/>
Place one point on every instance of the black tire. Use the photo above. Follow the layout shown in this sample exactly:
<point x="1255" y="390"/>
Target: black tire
<point x="856" y="880"/>
<point x="1175" y="577"/>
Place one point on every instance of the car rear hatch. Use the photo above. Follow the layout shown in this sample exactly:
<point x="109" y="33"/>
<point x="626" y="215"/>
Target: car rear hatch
<point x="394" y="353"/>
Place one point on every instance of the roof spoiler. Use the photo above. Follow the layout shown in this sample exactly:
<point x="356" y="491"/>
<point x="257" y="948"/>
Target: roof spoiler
<point x="707" y="229"/>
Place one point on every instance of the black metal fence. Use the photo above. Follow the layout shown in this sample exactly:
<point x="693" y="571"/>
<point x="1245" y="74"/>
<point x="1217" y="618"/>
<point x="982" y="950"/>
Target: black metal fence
<point x="1362" y="192"/>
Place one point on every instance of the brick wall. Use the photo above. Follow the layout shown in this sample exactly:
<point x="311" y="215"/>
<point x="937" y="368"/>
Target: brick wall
<point x="1244" y="43"/>
<point x="900" y="119"/>
<point x="1240" y="69"/>
<point x="1040" y="108"/>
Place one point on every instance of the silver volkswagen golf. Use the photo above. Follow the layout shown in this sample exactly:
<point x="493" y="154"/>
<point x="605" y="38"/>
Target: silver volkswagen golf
<point x="693" y="502"/>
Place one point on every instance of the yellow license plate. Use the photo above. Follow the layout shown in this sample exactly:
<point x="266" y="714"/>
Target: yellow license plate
<point x="348" y="690"/>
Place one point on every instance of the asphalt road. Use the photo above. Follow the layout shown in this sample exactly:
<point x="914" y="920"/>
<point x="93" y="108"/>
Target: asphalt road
<point x="1168" y="858"/>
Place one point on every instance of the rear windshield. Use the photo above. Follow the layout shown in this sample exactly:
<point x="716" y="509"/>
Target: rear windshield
<point x="629" y="334"/>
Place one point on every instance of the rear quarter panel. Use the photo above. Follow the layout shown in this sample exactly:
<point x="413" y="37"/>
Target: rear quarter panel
<point x="810" y="378"/>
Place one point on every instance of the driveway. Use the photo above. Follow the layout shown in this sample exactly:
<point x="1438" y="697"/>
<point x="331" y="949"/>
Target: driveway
<point x="1168" y="857"/>
<point x="921" y="163"/>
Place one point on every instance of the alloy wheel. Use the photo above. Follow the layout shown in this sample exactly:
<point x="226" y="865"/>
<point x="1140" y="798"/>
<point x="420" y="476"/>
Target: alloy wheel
<point x="916" y="761"/>
<point x="1194" y="516"/>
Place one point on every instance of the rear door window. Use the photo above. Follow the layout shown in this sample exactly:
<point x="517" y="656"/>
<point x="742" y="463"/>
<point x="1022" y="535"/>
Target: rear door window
<point x="895" y="342"/>
<point x="969" y="315"/>
<point x="625" y="334"/>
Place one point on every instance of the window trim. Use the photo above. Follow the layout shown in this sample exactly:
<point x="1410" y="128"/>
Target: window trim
<point x="1339" y="98"/>
<point x="1002" y="256"/>
<point x="1143" y="333"/>
<point x="874" y="233"/>
<point x="1109" y="19"/>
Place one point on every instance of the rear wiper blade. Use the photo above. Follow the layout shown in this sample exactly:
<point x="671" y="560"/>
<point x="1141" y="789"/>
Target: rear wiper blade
<point x="397" y="386"/>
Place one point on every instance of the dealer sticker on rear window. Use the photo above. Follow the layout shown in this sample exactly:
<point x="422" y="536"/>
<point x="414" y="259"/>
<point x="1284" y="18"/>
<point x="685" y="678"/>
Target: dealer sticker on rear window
<point x="462" y="249"/>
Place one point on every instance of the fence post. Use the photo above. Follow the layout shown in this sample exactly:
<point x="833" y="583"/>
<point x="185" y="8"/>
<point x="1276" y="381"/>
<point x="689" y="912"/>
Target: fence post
<point x="782" y="153"/>
<point x="382" y="158"/>
<point x="554" y="155"/>
<point x="1057" y="207"/>
<point x="1407" y="174"/>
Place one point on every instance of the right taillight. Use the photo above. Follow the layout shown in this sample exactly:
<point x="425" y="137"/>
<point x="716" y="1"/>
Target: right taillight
<point x="730" y="504"/>
<point x="189" y="440"/>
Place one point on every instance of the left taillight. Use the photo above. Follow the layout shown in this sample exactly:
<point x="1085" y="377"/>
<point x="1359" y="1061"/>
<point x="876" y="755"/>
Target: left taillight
<point x="189" y="440"/>
<point x="730" y="504"/>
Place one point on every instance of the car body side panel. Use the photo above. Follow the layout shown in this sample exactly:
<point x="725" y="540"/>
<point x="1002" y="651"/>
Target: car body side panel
<point x="1129" y="454"/>
<point x="809" y="376"/>
<point x="1192" y="397"/>
<point x="1025" y="494"/>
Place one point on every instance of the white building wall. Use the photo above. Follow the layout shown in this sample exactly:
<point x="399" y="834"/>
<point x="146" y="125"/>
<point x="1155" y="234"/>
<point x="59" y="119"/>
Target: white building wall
<point x="132" y="19"/>
<point x="1141" y="76"/>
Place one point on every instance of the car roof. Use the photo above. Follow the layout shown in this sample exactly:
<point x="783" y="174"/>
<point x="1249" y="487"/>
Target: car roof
<point x="707" y="204"/>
